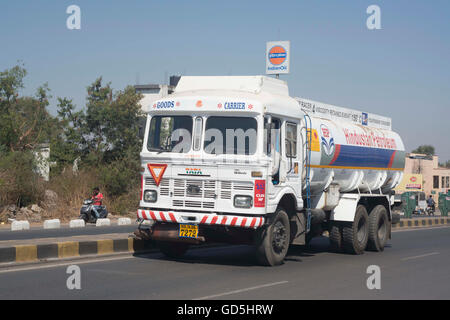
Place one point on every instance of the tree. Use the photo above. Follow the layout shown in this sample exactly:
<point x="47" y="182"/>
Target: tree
<point x="111" y="123"/>
<point x="24" y="121"/>
<point x="425" y="149"/>
<point x="68" y="142"/>
<point x="105" y="131"/>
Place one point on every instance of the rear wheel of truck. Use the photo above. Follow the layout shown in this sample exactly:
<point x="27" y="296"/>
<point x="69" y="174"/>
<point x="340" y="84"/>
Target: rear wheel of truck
<point x="273" y="241"/>
<point x="356" y="235"/>
<point x="378" y="228"/>
<point x="335" y="236"/>
<point x="173" y="249"/>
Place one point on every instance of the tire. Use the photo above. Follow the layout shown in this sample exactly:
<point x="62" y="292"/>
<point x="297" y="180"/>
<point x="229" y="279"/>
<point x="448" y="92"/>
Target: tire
<point x="273" y="242"/>
<point x="173" y="249"/>
<point x="378" y="228"/>
<point x="355" y="235"/>
<point x="84" y="217"/>
<point x="335" y="236"/>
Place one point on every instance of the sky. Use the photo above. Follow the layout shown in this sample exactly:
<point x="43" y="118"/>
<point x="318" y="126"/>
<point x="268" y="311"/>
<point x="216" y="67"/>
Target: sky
<point x="401" y="71"/>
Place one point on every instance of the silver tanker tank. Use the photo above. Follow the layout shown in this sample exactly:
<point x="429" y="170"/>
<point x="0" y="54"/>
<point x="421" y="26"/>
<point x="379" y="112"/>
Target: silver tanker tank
<point x="356" y="150"/>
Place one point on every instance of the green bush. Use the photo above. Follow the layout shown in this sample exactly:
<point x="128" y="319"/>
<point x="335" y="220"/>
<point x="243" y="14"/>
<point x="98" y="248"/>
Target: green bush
<point x="120" y="176"/>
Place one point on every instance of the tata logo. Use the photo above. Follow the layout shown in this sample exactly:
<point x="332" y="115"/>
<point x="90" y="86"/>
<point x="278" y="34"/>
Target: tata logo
<point x="277" y="55"/>
<point x="235" y="105"/>
<point x="164" y="105"/>
<point x="194" y="171"/>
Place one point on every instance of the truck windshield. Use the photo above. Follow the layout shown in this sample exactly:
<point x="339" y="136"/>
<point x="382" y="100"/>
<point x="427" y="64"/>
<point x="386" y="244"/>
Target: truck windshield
<point x="170" y="134"/>
<point x="230" y="135"/>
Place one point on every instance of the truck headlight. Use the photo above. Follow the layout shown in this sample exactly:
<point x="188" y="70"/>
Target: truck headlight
<point x="243" y="201"/>
<point x="150" y="196"/>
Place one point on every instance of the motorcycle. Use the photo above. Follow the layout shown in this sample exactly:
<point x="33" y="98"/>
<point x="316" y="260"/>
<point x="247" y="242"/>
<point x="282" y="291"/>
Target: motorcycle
<point x="430" y="210"/>
<point x="87" y="212"/>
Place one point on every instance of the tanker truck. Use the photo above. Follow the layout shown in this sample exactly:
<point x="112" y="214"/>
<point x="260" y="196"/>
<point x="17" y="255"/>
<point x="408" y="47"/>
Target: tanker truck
<point x="236" y="159"/>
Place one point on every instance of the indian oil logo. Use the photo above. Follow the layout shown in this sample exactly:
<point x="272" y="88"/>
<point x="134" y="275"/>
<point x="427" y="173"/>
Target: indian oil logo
<point x="277" y="55"/>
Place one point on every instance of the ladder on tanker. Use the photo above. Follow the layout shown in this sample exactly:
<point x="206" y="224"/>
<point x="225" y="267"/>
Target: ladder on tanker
<point x="307" y="167"/>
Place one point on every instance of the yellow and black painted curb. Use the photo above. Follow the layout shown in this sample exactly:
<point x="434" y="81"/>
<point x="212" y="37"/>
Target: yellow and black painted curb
<point x="421" y="222"/>
<point x="73" y="249"/>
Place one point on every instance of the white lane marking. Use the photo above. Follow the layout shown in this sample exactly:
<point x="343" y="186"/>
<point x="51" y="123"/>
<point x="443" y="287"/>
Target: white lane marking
<point x="241" y="290"/>
<point x="94" y="259"/>
<point x="60" y="264"/>
<point x="421" y="256"/>
<point x="419" y="228"/>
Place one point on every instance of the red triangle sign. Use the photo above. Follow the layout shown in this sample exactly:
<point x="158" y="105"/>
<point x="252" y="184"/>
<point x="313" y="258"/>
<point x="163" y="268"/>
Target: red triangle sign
<point x="157" y="171"/>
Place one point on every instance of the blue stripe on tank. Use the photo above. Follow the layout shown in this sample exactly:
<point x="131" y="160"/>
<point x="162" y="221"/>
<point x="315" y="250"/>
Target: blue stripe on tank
<point x="355" y="156"/>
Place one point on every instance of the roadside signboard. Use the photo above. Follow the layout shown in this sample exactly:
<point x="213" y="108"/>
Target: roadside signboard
<point x="410" y="182"/>
<point x="277" y="57"/>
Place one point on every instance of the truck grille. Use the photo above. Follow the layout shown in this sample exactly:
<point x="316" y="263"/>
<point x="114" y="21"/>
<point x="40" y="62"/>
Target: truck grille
<point x="190" y="193"/>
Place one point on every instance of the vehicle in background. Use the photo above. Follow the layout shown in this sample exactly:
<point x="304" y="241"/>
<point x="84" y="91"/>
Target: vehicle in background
<point x="87" y="212"/>
<point x="421" y="201"/>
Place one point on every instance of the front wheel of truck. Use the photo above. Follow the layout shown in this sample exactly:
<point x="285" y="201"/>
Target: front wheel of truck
<point x="273" y="241"/>
<point x="173" y="249"/>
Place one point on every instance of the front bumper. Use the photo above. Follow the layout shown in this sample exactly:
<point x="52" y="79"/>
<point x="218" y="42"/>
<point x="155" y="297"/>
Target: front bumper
<point x="201" y="218"/>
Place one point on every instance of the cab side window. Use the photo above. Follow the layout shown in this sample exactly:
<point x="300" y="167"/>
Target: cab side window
<point x="274" y="136"/>
<point x="291" y="140"/>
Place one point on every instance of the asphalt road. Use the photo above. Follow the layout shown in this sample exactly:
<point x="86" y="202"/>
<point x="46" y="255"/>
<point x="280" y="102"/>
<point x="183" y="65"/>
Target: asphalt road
<point x="39" y="233"/>
<point x="415" y="265"/>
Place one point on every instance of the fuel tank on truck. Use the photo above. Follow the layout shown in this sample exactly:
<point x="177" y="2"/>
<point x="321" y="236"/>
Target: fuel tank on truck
<point x="354" y="156"/>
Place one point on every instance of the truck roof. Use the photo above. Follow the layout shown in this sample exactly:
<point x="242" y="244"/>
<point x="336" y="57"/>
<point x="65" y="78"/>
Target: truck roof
<point x="274" y="96"/>
<point x="250" y="84"/>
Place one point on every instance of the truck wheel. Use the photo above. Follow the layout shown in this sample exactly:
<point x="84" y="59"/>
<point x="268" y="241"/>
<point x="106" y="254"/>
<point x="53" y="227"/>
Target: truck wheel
<point x="335" y="237"/>
<point x="378" y="228"/>
<point x="273" y="241"/>
<point x="173" y="249"/>
<point x="355" y="235"/>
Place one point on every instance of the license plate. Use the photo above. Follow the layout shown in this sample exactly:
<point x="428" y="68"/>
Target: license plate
<point x="188" y="231"/>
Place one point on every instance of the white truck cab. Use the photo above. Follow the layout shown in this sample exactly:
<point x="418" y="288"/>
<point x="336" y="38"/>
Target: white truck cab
<point x="237" y="159"/>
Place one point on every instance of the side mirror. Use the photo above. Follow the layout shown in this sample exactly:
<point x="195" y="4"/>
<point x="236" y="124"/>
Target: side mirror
<point x="141" y="132"/>
<point x="268" y="127"/>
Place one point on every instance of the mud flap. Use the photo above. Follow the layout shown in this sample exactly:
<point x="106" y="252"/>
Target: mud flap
<point x="298" y="229"/>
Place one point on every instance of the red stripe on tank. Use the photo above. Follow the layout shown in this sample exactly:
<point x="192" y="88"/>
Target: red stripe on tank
<point x="336" y="153"/>
<point x="392" y="159"/>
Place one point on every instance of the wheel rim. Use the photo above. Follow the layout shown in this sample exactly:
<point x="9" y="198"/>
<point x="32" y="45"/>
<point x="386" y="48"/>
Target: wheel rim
<point x="361" y="233"/>
<point x="279" y="237"/>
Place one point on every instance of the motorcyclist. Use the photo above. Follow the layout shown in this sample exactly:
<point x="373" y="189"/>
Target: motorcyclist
<point x="431" y="203"/>
<point x="97" y="201"/>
